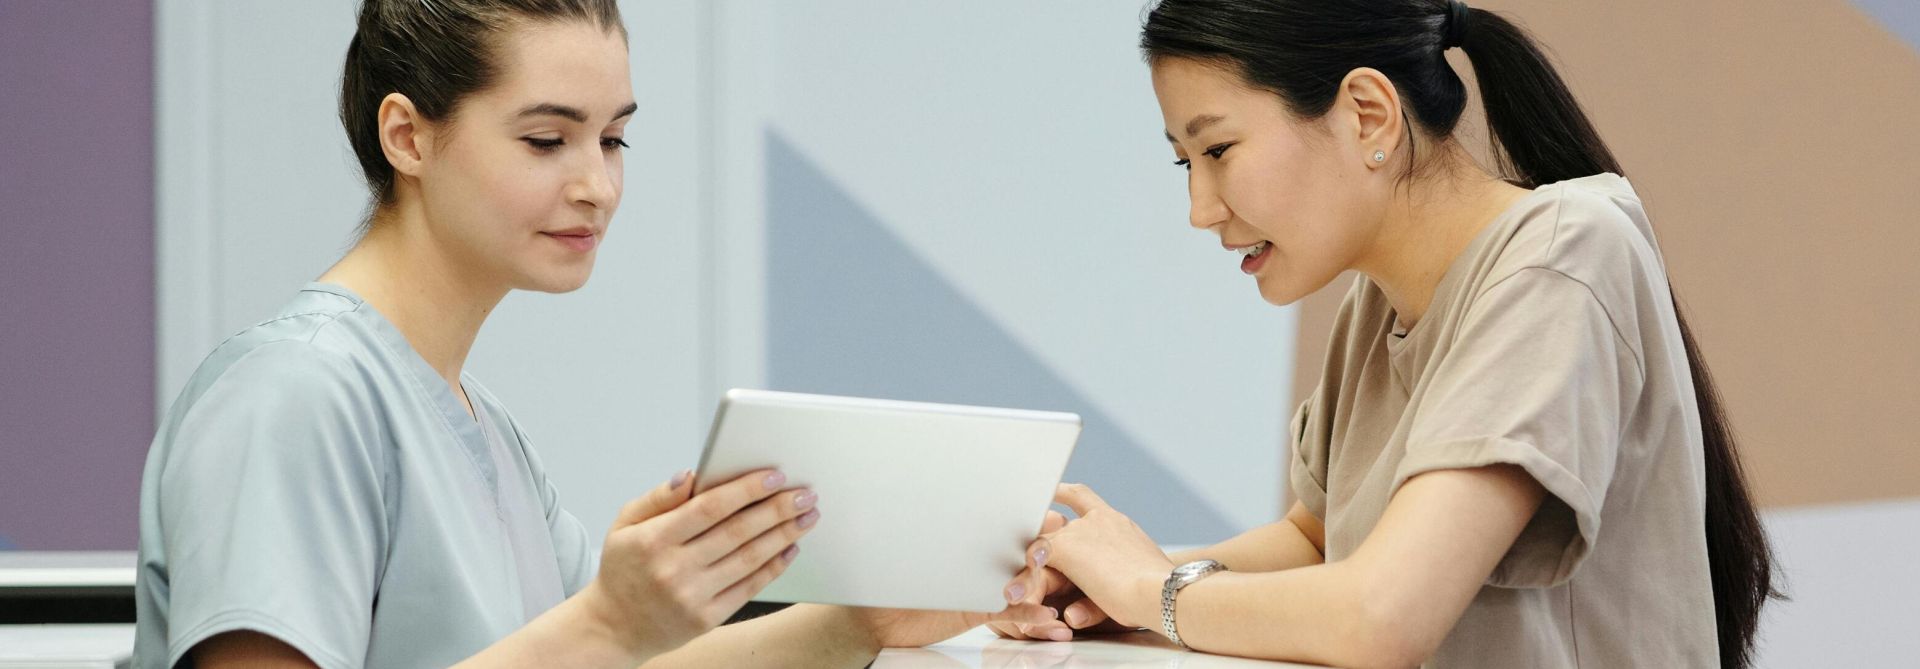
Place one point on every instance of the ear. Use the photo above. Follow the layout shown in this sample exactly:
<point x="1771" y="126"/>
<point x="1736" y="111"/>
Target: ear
<point x="1370" y="116"/>
<point x="403" y="133"/>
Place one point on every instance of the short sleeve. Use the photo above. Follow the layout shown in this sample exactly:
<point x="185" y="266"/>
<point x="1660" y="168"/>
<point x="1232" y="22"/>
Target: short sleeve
<point x="573" y="547"/>
<point x="1307" y="475"/>
<point x="1537" y="376"/>
<point x="270" y="507"/>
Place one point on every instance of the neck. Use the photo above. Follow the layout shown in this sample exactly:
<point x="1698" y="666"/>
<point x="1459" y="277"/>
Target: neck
<point x="422" y="286"/>
<point x="1426" y="227"/>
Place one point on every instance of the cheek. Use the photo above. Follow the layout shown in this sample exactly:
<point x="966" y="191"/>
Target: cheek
<point x="1279" y="198"/>
<point x="512" y="191"/>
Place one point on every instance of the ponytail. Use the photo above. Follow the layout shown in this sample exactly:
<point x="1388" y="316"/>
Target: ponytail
<point x="1540" y="133"/>
<point x="1298" y="49"/>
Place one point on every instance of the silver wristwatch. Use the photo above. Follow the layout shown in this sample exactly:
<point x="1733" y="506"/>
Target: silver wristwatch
<point x="1182" y="576"/>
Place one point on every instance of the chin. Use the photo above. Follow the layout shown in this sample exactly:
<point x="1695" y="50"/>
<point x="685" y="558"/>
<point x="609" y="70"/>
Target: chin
<point x="555" y="282"/>
<point x="1281" y="293"/>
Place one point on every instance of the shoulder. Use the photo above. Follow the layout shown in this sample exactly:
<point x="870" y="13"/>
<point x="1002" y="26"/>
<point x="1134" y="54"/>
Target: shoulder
<point x="318" y="348"/>
<point x="1593" y="230"/>
<point x="303" y="376"/>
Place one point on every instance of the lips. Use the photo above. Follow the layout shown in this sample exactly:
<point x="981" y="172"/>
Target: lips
<point x="580" y="239"/>
<point x="1252" y="256"/>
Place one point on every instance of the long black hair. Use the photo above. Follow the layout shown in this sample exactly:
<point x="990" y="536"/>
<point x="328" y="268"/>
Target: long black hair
<point x="1301" y="49"/>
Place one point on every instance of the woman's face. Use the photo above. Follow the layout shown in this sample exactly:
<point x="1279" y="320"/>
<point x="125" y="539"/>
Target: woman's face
<point x="1260" y="176"/>
<point x="520" y="184"/>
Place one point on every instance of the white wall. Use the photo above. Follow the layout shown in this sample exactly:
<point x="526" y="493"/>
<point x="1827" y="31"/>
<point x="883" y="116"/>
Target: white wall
<point x="1849" y="570"/>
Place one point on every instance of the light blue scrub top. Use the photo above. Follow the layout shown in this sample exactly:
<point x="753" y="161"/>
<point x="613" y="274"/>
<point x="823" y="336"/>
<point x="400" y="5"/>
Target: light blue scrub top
<point x="318" y="481"/>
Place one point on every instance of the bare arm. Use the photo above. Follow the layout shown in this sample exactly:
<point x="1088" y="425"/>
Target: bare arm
<point x="569" y="635"/>
<point x="1298" y="540"/>
<point x="805" y="635"/>
<point x="1390" y="604"/>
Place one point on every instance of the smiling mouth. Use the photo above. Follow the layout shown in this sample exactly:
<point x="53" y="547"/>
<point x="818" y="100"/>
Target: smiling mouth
<point x="1252" y="258"/>
<point x="1250" y="251"/>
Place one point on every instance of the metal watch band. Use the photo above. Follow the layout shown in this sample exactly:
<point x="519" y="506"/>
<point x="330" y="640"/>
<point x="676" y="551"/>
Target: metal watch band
<point x="1181" y="577"/>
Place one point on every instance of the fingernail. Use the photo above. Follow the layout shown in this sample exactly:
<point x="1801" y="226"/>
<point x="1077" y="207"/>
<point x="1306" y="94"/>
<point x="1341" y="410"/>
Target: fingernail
<point x="775" y="480"/>
<point x="809" y="518"/>
<point x="1075" y="616"/>
<point x="805" y="500"/>
<point x="680" y="479"/>
<point x="790" y="553"/>
<point x="1053" y="614"/>
<point x="1040" y="556"/>
<point x="1058" y="634"/>
<point x="1015" y="592"/>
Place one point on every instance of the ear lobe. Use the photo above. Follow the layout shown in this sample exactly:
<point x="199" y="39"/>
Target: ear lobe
<point x="402" y="133"/>
<point x="1375" y="105"/>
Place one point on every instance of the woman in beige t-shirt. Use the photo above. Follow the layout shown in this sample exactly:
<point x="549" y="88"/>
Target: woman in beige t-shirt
<point x="1515" y="457"/>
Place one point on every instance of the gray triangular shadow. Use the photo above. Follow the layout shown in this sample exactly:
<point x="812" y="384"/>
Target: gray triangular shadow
<point x="852" y="310"/>
<point x="1901" y="17"/>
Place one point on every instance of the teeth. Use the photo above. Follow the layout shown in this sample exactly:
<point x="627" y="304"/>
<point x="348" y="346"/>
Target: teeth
<point x="1251" y="250"/>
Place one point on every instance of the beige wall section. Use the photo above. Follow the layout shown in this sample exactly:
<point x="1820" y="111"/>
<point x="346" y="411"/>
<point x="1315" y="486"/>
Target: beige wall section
<point x="1778" y="152"/>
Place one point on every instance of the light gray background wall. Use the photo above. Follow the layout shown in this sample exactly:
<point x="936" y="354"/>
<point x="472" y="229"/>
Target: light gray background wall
<point x="959" y="201"/>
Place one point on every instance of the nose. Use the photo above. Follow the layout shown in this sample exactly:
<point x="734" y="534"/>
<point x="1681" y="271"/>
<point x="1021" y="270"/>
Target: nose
<point x="596" y="181"/>
<point x="1205" y="209"/>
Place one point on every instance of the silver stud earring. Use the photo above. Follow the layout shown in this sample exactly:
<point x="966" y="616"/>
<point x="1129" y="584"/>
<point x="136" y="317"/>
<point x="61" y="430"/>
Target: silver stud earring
<point x="1379" y="156"/>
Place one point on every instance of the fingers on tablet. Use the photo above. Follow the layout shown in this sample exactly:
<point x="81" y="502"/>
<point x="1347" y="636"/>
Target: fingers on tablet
<point x="715" y="505"/>
<point x="1079" y="497"/>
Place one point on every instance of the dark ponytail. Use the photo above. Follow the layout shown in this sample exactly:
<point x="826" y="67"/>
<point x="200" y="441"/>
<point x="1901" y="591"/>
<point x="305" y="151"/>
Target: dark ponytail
<point x="1301" y="49"/>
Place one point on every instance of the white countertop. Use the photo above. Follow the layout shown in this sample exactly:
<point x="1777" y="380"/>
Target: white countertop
<point x="47" y="569"/>
<point x="980" y="649"/>
<point x="66" y="646"/>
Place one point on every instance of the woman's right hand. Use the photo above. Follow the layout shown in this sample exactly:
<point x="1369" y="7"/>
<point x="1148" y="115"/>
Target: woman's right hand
<point x="673" y="567"/>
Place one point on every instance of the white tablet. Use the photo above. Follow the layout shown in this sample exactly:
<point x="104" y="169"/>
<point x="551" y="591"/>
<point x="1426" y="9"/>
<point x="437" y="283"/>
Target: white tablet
<point x="922" y="506"/>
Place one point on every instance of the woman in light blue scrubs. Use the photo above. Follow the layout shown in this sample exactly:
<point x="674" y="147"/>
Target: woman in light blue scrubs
<point x="331" y="490"/>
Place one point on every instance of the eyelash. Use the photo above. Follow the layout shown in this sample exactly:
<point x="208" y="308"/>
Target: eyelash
<point x="1215" y="152"/>
<point x="547" y="145"/>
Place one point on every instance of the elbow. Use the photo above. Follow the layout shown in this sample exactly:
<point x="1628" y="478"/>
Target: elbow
<point x="1388" y="633"/>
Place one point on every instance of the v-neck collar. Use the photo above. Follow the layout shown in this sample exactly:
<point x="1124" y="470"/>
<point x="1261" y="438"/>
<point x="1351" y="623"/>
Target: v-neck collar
<point x="468" y="429"/>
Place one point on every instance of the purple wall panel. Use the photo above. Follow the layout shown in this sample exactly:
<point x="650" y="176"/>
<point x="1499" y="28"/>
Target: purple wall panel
<point x="76" y="270"/>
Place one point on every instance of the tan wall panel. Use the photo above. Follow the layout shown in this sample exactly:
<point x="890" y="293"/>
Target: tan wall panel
<point x="1778" y="150"/>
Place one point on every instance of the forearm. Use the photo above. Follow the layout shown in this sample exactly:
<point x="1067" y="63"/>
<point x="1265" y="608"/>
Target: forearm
<point x="1312" y="614"/>
<point x="569" y="635"/>
<point x="806" y="635"/>
<point x="1270" y="547"/>
<point x="1394" y="600"/>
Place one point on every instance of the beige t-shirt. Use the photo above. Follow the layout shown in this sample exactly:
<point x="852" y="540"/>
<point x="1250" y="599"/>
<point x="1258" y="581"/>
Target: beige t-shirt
<point x="1551" y="344"/>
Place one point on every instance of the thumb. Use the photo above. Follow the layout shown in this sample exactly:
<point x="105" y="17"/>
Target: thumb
<point x="657" y="501"/>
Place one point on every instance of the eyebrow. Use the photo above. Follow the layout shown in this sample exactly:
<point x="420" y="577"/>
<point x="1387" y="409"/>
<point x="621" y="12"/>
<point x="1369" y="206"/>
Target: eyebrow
<point x="1198" y="124"/>
<point x="570" y="113"/>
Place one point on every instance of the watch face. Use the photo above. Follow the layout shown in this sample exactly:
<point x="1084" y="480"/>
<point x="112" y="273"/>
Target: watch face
<point x="1192" y="568"/>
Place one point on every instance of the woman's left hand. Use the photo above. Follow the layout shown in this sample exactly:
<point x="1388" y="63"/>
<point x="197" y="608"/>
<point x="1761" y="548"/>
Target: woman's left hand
<point x="1109" y="558"/>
